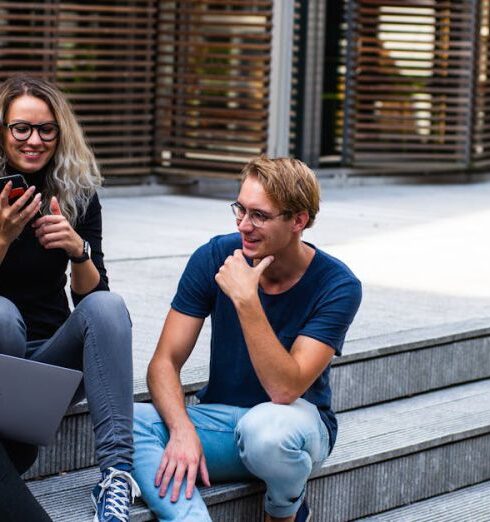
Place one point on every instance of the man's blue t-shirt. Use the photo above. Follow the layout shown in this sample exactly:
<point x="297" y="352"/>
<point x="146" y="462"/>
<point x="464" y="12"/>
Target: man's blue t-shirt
<point x="321" y="305"/>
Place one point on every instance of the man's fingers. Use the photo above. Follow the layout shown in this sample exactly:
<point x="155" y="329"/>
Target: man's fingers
<point x="264" y="263"/>
<point x="178" y="479"/>
<point x="191" y="481"/>
<point x="167" y="477"/>
<point x="161" y="470"/>
<point x="203" y="470"/>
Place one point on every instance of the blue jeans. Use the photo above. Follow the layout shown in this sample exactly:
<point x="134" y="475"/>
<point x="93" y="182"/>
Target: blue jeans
<point x="96" y="338"/>
<point x="280" y="444"/>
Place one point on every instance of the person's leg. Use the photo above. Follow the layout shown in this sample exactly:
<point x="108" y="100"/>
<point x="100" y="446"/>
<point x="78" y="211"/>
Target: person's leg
<point x="20" y="454"/>
<point x="215" y="426"/>
<point x="96" y="338"/>
<point x="16" y="501"/>
<point x="282" y="444"/>
<point x="12" y="330"/>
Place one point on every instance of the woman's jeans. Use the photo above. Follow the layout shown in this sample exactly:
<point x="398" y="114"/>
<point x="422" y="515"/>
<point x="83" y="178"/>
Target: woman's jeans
<point x="280" y="444"/>
<point x="96" y="338"/>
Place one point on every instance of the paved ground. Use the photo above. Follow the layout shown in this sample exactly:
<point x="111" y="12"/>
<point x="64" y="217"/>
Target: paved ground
<point x="421" y="251"/>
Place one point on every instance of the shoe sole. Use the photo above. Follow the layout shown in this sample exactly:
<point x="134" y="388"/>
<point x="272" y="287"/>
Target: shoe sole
<point x="92" y="498"/>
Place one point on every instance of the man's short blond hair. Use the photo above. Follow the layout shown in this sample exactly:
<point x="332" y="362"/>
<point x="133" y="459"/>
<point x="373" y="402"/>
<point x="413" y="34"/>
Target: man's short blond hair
<point x="288" y="182"/>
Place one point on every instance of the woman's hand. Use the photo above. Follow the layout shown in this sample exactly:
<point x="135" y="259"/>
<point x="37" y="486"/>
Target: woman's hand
<point x="15" y="216"/>
<point x="54" y="231"/>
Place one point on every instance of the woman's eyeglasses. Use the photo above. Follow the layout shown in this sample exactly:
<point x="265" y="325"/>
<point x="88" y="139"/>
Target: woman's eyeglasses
<point x="22" y="131"/>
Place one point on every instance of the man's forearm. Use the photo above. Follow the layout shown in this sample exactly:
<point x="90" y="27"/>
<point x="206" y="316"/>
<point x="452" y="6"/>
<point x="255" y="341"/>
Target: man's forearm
<point x="277" y="370"/>
<point x="168" y="396"/>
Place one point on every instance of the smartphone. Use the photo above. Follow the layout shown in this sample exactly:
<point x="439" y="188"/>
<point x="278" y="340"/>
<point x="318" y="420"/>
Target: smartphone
<point x="19" y="186"/>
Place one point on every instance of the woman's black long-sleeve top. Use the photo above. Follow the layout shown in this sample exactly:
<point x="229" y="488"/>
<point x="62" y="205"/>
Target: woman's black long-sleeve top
<point x="34" y="278"/>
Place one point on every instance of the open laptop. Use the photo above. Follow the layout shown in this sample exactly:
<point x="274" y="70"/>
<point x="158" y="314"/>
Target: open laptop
<point x="33" y="399"/>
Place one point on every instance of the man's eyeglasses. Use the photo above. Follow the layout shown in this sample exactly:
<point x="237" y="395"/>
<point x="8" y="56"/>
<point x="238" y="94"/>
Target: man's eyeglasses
<point x="22" y="131"/>
<point x="256" y="217"/>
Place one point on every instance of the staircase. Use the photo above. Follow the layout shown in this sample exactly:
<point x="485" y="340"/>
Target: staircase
<point x="413" y="445"/>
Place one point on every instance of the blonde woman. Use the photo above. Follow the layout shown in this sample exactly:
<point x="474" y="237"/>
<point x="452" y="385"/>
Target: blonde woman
<point x="57" y="222"/>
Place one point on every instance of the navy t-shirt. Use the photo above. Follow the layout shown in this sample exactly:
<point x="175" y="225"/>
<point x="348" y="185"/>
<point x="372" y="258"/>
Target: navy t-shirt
<point x="321" y="305"/>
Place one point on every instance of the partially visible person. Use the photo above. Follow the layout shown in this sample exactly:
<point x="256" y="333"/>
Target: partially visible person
<point x="17" y="503"/>
<point x="55" y="223"/>
<point x="280" y="309"/>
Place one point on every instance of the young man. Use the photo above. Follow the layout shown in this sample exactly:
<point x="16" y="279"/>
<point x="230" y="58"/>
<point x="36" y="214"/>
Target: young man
<point x="280" y="309"/>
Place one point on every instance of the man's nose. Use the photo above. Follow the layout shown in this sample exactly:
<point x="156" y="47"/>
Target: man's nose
<point x="245" y="224"/>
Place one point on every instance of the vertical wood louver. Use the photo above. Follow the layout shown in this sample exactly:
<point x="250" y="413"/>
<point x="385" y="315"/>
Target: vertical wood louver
<point x="410" y="83"/>
<point x="213" y="70"/>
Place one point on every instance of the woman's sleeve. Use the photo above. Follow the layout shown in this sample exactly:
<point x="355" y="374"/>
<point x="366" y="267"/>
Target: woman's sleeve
<point x="90" y="229"/>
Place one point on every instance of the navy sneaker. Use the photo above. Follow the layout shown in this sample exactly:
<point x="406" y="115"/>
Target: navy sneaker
<point x="304" y="513"/>
<point x="111" y="496"/>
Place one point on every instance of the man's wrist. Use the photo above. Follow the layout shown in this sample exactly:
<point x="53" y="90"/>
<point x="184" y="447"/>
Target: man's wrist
<point x="247" y="304"/>
<point x="180" y="426"/>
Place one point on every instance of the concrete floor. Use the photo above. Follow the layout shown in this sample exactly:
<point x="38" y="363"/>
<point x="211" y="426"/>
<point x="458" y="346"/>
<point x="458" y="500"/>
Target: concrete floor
<point x="421" y="251"/>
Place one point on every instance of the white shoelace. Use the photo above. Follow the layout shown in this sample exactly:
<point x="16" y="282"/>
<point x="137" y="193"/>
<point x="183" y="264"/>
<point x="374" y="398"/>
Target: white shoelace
<point x="118" y="484"/>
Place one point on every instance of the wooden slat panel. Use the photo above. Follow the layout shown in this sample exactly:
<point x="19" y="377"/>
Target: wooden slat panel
<point x="481" y="122"/>
<point x="410" y="81"/>
<point x="100" y="53"/>
<point x="212" y="87"/>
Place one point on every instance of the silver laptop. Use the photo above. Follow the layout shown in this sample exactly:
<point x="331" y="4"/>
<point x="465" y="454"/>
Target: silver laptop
<point x="33" y="399"/>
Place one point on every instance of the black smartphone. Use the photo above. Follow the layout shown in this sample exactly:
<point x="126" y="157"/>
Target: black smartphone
<point x="19" y="186"/>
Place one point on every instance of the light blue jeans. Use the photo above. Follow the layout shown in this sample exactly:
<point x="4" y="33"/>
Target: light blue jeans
<point x="280" y="444"/>
<point x="96" y="338"/>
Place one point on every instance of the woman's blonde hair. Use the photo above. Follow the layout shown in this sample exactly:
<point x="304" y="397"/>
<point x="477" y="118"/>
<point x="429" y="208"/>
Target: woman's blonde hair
<point x="288" y="182"/>
<point x="73" y="174"/>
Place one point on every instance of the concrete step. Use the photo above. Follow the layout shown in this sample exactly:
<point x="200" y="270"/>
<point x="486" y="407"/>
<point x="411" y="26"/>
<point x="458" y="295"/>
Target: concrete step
<point x="465" y="505"/>
<point x="387" y="456"/>
<point x="370" y="371"/>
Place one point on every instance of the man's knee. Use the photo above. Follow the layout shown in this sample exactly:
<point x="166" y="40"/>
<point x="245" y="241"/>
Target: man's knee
<point x="263" y="432"/>
<point x="277" y="433"/>
<point x="12" y="329"/>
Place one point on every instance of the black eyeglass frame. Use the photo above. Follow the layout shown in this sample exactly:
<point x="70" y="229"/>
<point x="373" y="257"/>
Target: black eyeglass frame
<point x="32" y="126"/>
<point x="236" y="207"/>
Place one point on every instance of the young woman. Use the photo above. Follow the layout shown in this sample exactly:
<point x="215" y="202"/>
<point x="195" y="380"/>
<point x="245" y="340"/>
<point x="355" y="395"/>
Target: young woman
<point x="55" y="223"/>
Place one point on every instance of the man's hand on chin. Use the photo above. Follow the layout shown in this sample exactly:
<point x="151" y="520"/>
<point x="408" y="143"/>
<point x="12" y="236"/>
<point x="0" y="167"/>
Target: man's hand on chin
<point x="238" y="280"/>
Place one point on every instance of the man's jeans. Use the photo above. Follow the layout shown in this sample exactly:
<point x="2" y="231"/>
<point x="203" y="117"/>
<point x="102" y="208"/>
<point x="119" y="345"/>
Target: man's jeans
<point x="280" y="444"/>
<point x="96" y="338"/>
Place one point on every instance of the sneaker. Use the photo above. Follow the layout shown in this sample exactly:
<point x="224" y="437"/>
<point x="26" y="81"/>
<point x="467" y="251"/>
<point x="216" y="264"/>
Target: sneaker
<point x="304" y="513"/>
<point x="111" y="496"/>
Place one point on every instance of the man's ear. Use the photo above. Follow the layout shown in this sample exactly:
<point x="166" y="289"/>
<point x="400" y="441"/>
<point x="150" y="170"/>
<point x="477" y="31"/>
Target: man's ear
<point x="300" y="220"/>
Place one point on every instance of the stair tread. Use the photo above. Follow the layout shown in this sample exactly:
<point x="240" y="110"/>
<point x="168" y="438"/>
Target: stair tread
<point x="366" y="436"/>
<point x="469" y="504"/>
<point x="194" y="377"/>
<point x="410" y="424"/>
